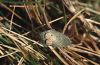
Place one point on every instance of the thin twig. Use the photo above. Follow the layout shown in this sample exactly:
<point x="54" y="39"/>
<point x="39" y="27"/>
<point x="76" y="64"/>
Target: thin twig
<point x="75" y="16"/>
<point x="61" y="59"/>
<point x="21" y="61"/>
<point x="34" y="42"/>
<point x="12" y="18"/>
<point x="9" y="54"/>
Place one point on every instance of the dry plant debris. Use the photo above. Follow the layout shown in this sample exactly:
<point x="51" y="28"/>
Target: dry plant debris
<point x="22" y="21"/>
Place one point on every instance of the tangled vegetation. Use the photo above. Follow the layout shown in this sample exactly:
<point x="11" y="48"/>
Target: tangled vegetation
<point x="22" y="21"/>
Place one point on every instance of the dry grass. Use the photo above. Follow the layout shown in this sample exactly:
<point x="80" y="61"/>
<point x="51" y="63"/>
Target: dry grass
<point x="22" y="21"/>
